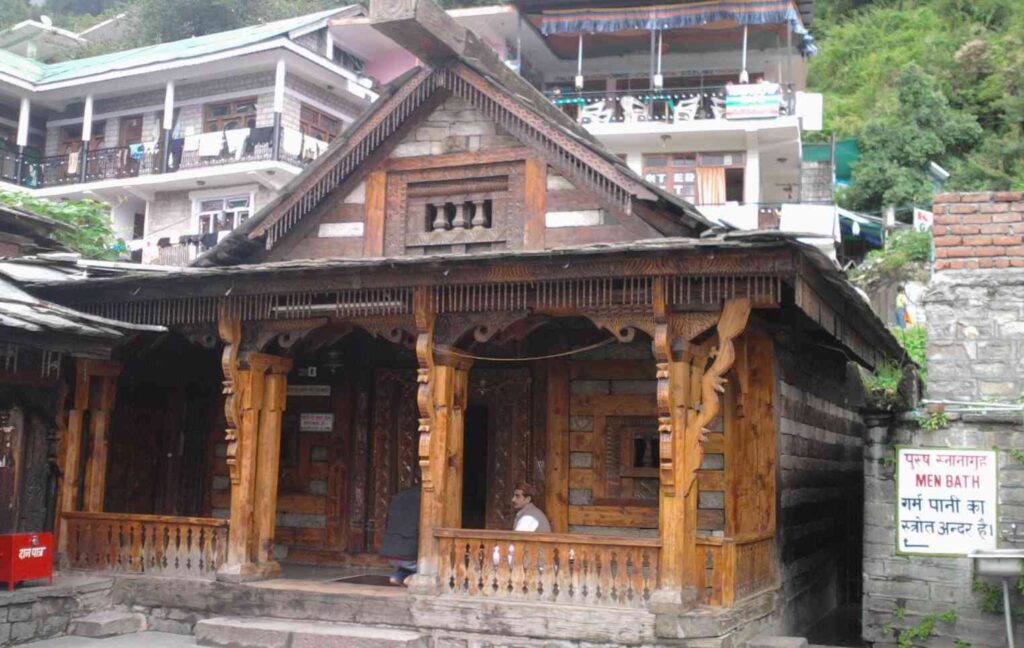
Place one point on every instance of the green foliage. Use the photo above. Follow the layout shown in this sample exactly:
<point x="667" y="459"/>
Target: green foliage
<point x="934" y="421"/>
<point x="1017" y="455"/>
<point x="91" y="234"/>
<point x="905" y="255"/>
<point x="990" y="599"/>
<point x="960" y="643"/>
<point x="931" y="80"/>
<point x="915" y="340"/>
<point x="922" y="631"/>
<point x="883" y="385"/>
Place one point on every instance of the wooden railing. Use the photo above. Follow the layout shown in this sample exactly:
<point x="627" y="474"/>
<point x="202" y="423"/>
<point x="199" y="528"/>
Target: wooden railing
<point x="548" y="567"/>
<point x="731" y="569"/>
<point x="150" y="544"/>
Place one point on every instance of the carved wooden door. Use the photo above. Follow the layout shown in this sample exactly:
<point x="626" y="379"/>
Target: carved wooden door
<point x="393" y="445"/>
<point x="506" y="394"/>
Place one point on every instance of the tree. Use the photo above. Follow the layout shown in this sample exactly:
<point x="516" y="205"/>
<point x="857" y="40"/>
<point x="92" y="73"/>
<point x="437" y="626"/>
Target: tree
<point x="919" y="127"/>
<point x="91" y="235"/>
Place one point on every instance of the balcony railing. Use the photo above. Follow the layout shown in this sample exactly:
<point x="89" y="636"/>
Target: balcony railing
<point x="678" y="105"/>
<point x="546" y="567"/>
<point x="731" y="569"/>
<point x="196" y="151"/>
<point x="150" y="544"/>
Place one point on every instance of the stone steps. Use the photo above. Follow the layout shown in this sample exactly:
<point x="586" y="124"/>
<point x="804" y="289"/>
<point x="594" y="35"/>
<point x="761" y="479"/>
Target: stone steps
<point x="244" y="632"/>
<point x="107" y="623"/>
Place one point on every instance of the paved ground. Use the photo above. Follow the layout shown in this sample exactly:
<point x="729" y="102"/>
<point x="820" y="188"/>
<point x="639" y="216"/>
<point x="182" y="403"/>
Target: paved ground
<point x="140" y="640"/>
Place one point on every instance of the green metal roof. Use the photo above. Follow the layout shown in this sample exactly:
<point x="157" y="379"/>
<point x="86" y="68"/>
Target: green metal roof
<point x="42" y="73"/>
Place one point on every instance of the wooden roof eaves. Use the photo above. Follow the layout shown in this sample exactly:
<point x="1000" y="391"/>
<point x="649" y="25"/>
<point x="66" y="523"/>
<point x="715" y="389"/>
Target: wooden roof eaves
<point x="824" y="294"/>
<point x="683" y="256"/>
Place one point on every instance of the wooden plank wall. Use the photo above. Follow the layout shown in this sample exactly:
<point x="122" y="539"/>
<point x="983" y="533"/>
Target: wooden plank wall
<point x="821" y="480"/>
<point x="612" y="393"/>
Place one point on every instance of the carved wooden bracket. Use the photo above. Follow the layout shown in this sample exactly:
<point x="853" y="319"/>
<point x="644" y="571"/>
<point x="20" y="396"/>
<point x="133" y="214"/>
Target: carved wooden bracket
<point x="229" y="327"/>
<point x="623" y="324"/>
<point x="393" y="328"/>
<point x="733" y="320"/>
<point x="424" y="320"/>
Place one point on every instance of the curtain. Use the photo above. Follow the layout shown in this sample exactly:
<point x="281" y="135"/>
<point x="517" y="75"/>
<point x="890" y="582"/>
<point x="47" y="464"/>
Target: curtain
<point x="710" y="185"/>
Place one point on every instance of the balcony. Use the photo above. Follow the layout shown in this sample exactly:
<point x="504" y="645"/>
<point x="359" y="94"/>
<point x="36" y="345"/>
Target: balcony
<point x="678" y="105"/>
<point x="148" y="159"/>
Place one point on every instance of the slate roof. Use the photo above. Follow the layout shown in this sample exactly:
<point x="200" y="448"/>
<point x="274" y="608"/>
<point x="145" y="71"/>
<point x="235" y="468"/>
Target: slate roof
<point x="42" y="73"/>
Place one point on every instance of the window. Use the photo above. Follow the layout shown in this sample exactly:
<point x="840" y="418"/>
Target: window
<point x="240" y="113"/>
<point x="349" y="61"/>
<point x="701" y="178"/>
<point x="318" y="124"/>
<point x="223" y="214"/>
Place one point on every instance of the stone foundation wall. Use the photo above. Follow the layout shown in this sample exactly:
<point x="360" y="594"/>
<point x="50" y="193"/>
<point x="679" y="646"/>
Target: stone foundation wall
<point x="40" y="612"/>
<point x="820" y="482"/>
<point x="923" y="585"/>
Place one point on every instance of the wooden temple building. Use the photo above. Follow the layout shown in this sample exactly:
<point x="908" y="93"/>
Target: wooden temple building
<point x="469" y="292"/>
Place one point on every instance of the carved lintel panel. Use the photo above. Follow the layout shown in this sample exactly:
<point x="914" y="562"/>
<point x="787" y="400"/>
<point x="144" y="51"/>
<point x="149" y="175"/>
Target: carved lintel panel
<point x="623" y="324"/>
<point x="393" y="328"/>
<point x="450" y="328"/>
<point x="229" y="327"/>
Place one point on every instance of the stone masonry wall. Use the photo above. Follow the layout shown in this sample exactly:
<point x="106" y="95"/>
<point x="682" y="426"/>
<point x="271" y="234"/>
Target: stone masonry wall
<point x="32" y="613"/>
<point x="820" y="446"/>
<point x="923" y="585"/>
<point x="975" y="322"/>
<point x="974" y="309"/>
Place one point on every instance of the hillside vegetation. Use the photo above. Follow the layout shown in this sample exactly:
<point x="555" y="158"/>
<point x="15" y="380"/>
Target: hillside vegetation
<point x="921" y="81"/>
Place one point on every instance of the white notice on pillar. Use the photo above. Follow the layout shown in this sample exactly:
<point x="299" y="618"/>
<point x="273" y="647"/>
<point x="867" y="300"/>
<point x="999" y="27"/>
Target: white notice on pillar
<point x="946" y="501"/>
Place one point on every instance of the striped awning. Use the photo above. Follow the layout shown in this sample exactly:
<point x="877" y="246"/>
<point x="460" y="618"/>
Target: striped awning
<point x="676" y="16"/>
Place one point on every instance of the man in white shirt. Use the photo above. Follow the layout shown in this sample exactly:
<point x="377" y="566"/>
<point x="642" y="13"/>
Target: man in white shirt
<point x="528" y="516"/>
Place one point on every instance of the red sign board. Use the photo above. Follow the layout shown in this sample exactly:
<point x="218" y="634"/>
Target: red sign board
<point x="25" y="556"/>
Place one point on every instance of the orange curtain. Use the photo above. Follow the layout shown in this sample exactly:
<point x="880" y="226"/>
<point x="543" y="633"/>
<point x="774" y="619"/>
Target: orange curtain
<point x="710" y="185"/>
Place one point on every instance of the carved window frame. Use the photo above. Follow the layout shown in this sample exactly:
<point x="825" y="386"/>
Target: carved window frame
<point x="507" y="211"/>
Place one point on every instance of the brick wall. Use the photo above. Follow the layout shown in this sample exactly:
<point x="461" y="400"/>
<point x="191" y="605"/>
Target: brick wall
<point x="979" y="230"/>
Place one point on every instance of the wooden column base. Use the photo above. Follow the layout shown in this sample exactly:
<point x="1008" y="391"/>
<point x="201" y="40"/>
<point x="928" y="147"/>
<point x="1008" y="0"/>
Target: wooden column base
<point x="248" y="572"/>
<point x="665" y="601"/>
<point x="423" y="584"/>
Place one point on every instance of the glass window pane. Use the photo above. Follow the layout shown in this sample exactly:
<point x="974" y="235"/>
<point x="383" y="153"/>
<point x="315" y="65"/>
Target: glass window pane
<point x="238" y="202"/>
<point x="211" y="205"/>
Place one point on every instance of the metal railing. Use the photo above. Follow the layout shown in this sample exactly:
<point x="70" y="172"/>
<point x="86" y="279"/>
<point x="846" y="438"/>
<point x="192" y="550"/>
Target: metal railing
<point x="134" y="160"/>
<point x="670" y="105"/>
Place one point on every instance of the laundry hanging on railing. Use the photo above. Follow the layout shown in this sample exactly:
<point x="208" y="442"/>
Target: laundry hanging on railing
<point x="211" y="144"/>
<point x="675" y="16"/>
<point x="236" y="139"/>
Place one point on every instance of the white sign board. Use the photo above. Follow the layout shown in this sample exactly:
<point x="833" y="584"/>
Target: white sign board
<point x="316" y="422"/>
<point x="923" y="220"/>
<point x="309" y="390"/>
<point x="945" y="501"/>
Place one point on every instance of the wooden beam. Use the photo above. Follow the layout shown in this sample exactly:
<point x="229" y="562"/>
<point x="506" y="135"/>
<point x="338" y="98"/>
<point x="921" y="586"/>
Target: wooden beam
<point x="535" y="186"/>
<point x="373" y="229"/>
<point x="274" y="373"/>
<point x="556" y="481"/>
<point x="99" y="420"/>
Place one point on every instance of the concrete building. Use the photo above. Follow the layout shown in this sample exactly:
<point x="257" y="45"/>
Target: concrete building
<point x="186" y="139"/>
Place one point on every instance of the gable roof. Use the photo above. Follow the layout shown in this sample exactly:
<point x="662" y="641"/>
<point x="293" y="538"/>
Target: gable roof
<point x="522" y="110"/>
<point x="41" y="73"/>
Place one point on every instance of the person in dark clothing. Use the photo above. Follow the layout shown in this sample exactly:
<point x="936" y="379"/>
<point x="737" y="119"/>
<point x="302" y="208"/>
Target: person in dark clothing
<point x="402" y="534"/>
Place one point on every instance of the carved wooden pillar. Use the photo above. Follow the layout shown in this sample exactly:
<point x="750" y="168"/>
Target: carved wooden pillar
<point x="441" y="398"/>
<point x="687" y="402"/>
<point x="95" y="388"/>
<point x="243" y="396"/>
<point x="273" y="371"/>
